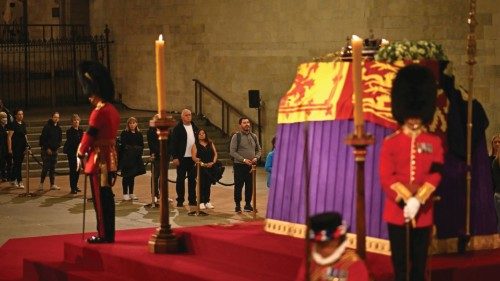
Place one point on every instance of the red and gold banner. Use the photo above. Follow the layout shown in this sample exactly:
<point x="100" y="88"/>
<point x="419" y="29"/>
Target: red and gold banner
<point x="323" y="91"/>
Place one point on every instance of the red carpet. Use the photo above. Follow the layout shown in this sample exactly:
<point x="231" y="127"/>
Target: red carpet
<point x="236" y="252"/>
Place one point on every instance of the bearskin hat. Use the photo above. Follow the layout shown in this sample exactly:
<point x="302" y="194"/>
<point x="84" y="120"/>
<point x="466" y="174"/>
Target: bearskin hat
<point x="96" y="80"/>
<point x="326" y="226"/>
<point x="414" y="92"/>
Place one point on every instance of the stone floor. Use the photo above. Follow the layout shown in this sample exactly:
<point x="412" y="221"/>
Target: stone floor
<point x="59" y="212"/>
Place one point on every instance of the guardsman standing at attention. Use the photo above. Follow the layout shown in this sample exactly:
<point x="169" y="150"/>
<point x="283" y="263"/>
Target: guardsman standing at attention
<point x="99" y="143"/>
<point x="411" y="161"/>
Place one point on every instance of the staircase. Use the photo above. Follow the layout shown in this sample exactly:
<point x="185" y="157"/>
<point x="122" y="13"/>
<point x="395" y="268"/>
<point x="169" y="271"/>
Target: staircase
<point x="35" y="127"/>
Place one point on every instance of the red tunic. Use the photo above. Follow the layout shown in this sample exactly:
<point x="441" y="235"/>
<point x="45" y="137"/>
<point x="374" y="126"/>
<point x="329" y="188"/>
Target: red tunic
<point x="348" y="268"/>
<point x="99" y="140"/>
<point x="408" y="160"/>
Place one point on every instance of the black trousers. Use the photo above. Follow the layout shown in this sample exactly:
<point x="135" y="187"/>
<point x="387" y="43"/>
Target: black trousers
<point x="5" y="165"/>
<point x="74" y="175"/>
<point x="104" y="205"/>
<point x="17" y="163"/>
<point x="49" y="165"/>
<point x="186" y="166"/>
<point x="155" y="174"/>
<point x="419" y="245"/>
<point x="128" y="185"/>
<point x="242" y="176"/>
<point x="205" y="185"/>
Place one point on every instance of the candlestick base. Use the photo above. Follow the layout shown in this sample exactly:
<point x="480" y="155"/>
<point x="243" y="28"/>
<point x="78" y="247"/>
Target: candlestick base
<point x="163" y="242"/>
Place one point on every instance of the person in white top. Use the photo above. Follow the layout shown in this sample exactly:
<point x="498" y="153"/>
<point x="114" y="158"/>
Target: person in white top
<point x="182" y="139"/>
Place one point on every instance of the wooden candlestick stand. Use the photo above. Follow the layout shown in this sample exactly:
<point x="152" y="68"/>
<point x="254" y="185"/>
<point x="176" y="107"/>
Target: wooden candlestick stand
<point x="163" y="240"/>
<point x="360" y="144"/>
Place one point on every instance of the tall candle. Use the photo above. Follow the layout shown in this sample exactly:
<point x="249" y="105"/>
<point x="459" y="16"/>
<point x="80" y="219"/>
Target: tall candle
<point x="357" y="46"/>
<point x="160" y="76"/>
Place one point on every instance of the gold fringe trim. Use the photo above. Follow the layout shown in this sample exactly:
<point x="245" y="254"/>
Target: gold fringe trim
<point x="480" y="242"/>
<point x="382" y="246"/>
<point x="373" y="244"/>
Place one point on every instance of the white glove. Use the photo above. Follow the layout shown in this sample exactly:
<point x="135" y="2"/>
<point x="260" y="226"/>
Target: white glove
<point x="78" y="163"/>
<point x="411" y="208"/>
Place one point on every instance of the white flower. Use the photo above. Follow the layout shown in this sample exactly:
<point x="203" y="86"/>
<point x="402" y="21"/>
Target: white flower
<point x="410" y="50"/>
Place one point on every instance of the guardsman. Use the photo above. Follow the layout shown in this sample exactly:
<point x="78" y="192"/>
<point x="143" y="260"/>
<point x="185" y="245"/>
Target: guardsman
<point x="98" y="143"/>
<point x="411" y="161"/>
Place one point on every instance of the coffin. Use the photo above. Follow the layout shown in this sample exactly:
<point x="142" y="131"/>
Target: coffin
<point x="319" y="107"/>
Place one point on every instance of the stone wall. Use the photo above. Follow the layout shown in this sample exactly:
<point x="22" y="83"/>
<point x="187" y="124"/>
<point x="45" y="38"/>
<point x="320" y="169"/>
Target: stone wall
<point x="40" y="12"/>
<point x="237" y="45"/>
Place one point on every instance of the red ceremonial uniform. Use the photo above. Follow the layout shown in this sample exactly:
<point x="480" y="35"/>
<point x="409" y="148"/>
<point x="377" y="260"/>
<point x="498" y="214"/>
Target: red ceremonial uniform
<point x="349" y="267"/>
<point x="99" y="143"/>
<point x="408" y="160"/>
<point x="104" y="121"/>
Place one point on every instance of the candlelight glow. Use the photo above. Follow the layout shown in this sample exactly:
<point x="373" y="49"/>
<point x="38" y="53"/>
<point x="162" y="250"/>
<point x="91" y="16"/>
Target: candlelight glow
<point x="160" y="76"/>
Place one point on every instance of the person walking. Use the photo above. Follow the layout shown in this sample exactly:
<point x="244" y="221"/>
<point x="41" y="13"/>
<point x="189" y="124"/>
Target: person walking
<point x="245" y="150"/>
<point x="204" y="151"/>
<point x="73" y="137"/>
<point x="183" y="138"/>
<point x="99" y="143"/>
<point x="50" y="141"/>
<point x="130" y="163"/>
<point x="17" y="145"/>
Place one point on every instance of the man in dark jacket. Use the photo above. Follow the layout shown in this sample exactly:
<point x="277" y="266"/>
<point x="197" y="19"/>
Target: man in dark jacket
<point x="50" y="141"/>
<point x="183" y="138"/>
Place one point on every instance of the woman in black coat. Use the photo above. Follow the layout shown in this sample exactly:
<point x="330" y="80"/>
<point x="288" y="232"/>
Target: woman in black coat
<point x="131" y="164"/>
<point x="17" y="143"/>
<point x="73" y="137"/>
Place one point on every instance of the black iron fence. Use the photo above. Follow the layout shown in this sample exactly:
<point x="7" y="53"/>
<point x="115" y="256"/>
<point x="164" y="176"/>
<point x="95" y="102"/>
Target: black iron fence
<point x="40" y="70"/>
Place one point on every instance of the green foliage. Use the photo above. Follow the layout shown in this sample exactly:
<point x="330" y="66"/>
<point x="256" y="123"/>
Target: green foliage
<point x="410" y="50"/>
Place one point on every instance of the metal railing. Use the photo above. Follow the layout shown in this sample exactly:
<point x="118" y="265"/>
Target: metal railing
<point x="41" y="71"/>
<point x="221" y="114"/>
<point x="16" y="33"/>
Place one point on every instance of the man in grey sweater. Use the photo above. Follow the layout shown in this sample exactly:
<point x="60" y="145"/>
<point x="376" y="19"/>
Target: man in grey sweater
<point x="245" y="150"/>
